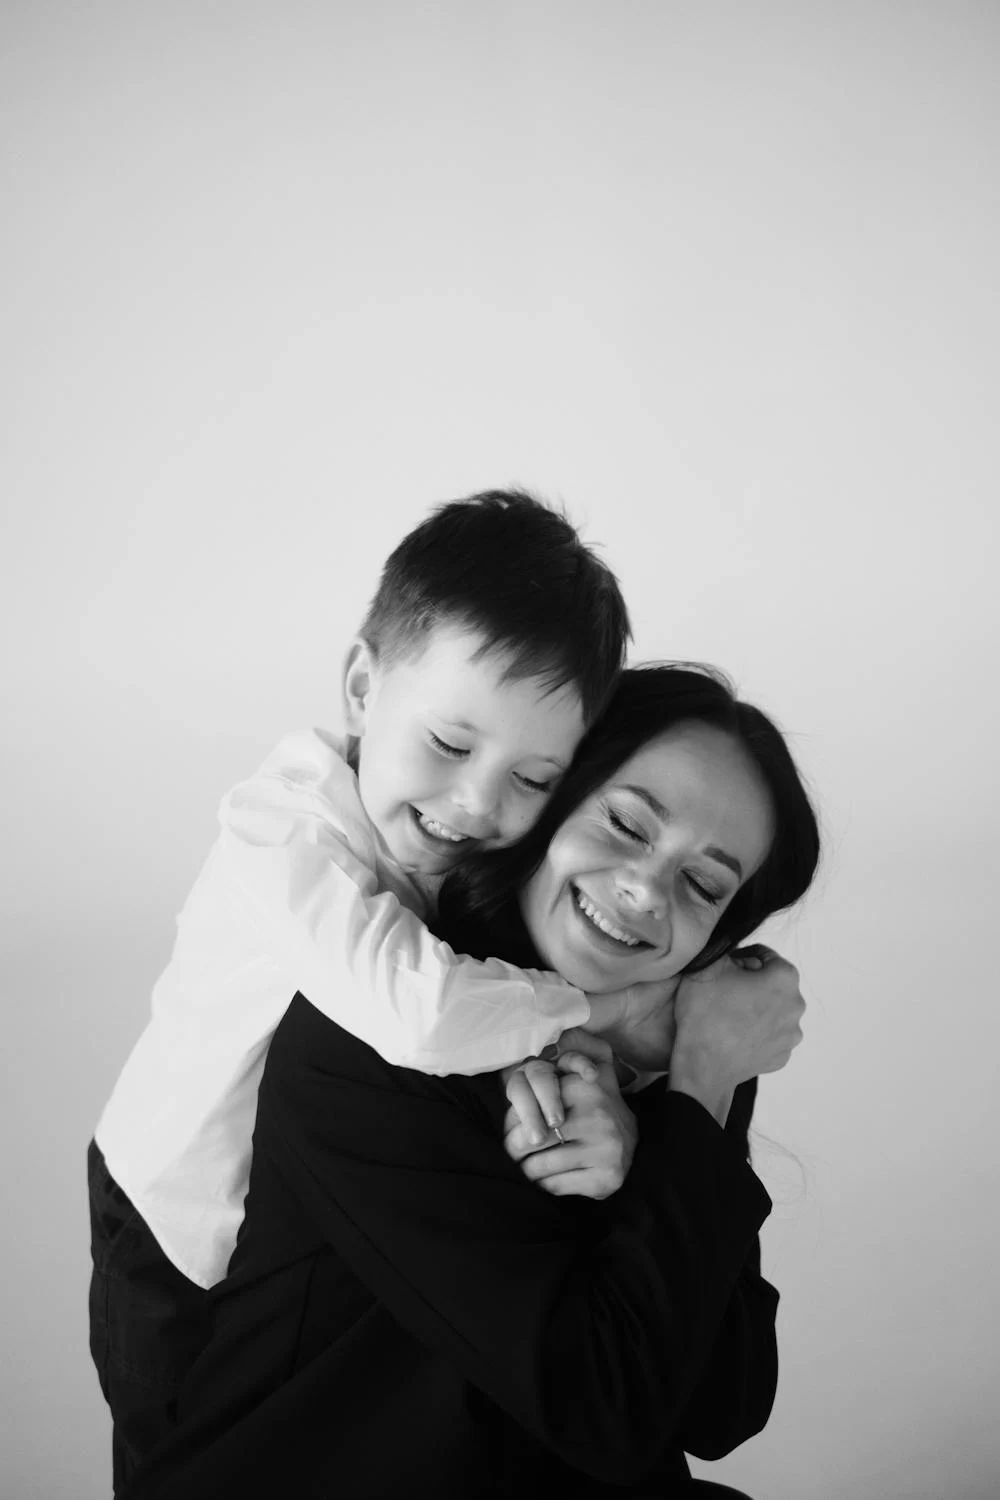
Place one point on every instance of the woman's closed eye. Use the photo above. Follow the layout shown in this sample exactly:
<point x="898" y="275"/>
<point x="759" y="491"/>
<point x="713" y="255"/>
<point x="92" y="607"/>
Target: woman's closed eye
<point x="622" y="825"/>
<point x="702" y="891"/>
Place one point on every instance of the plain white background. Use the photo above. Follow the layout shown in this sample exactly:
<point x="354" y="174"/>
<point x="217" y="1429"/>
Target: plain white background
<point x="722" y="278"/>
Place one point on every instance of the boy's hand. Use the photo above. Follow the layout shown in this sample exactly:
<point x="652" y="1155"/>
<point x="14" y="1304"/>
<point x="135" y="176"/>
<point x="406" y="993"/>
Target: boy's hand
<point x="639" y="1023"/>
<point x="736" y="1019"/>
<point x="598" y="1136"/>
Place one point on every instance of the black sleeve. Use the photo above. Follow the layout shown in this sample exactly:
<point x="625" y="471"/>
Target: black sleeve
<point x="594" y="1327"/>
<point x="735" y="1393"/>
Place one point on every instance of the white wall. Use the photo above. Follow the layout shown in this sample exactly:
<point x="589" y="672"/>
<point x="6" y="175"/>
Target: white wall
<point x="723" y="277"/>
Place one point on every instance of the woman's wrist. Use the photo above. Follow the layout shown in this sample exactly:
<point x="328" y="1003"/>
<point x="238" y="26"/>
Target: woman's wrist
<point x="700" y="1081"/>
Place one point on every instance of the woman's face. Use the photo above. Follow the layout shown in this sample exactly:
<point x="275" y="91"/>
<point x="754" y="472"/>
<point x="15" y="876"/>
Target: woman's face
<point x="637" y="877"/>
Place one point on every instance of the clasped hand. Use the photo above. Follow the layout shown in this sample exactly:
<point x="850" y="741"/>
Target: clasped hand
<point x="598" y="1130"/>
<point x="714" y="1030"/>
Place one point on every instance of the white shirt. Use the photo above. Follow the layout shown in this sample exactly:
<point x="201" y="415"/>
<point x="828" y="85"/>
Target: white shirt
<point x="296" y="894"/>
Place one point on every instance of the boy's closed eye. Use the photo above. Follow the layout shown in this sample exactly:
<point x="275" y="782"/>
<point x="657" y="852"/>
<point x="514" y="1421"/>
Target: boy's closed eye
<point x="533" y="786"/>
<point x="445" y="748"/>
<point x="457" y="752"/>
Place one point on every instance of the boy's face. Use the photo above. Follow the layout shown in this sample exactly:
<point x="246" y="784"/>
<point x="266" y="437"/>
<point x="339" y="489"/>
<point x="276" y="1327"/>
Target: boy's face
<point x="452" y="759"/>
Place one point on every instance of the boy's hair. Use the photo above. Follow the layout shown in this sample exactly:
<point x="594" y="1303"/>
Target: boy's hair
<point x="478" y="905"/>
<point x="509" y="568"/>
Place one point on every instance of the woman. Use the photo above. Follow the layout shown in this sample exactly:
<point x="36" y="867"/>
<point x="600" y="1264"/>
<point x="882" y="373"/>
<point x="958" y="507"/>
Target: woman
<point x="406" y="1311"/>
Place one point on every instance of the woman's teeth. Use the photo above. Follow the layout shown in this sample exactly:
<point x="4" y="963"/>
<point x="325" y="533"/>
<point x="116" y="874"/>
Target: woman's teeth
<point x="600" y="920"/>
<point x="439" y="831"/>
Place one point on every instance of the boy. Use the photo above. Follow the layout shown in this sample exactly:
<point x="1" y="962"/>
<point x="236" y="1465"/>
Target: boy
<point x="492" y="643"/>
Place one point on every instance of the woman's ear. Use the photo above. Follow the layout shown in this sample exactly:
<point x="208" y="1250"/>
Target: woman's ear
<point x="360" y="670"/>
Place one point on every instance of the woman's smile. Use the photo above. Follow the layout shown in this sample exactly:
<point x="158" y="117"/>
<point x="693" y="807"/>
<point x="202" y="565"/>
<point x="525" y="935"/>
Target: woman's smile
<point x="635" y="879"/>
<point x="602" y="927"/>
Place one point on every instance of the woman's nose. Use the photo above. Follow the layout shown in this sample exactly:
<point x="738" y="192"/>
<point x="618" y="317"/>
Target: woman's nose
<point x="643" y="890"/>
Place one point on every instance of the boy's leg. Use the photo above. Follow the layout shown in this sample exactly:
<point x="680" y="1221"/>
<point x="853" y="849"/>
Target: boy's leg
<point x="147" y="1321"/>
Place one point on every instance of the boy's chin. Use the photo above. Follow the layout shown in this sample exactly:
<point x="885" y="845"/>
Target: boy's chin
<point x="419" y="852"/>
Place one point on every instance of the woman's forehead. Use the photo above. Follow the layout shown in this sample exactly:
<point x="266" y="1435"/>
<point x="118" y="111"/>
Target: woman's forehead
<point x="696" y="770"/>
<point x="690" y="749"/>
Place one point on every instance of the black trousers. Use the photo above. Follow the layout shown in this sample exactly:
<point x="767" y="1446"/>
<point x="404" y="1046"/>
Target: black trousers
<point x="148" y="1322"/>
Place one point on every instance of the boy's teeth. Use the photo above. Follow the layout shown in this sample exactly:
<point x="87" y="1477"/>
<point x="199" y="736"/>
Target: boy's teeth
<point x="599" y="920"/>
<point x="441" y="832"/>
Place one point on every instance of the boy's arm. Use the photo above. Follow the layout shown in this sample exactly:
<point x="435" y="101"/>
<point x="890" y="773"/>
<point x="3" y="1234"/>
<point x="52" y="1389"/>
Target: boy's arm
<point x="297" y="852"/>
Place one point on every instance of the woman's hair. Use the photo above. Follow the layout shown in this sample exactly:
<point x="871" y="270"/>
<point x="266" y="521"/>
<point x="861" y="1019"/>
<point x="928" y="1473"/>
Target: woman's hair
<point x="478" y="905"/>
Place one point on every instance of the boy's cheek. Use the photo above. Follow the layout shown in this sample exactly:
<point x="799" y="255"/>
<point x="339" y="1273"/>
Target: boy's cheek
<point x="517" y="827"/>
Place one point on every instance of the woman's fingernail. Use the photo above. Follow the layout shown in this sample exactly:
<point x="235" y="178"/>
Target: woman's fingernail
<point x="555" y="1118"/>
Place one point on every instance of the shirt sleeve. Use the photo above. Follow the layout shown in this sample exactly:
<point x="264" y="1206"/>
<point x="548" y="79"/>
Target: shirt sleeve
<point x="299" y="855"/>
<point x="590" y="1324"/>
<point x="735" y="1391"/>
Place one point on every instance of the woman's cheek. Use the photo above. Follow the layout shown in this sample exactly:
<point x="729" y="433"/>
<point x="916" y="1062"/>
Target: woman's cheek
<point x="597" y="847"/>
<point x="573" y="855"/>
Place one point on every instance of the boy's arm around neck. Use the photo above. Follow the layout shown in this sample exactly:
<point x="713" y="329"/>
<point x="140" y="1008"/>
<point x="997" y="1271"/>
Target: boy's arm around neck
<point x="299" y="855"/>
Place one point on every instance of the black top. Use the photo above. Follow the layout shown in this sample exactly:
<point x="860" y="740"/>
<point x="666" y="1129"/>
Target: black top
<point x="406" y="1314"/>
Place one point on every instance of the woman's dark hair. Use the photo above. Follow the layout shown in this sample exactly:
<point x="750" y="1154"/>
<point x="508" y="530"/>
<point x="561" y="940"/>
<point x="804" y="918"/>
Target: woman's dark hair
<point x="478" y="907"/>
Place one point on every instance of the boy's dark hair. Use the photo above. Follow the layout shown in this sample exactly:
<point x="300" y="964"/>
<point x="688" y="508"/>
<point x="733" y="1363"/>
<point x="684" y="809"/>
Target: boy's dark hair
<point x="478" y="908"/>
<point x="507" y="566"/>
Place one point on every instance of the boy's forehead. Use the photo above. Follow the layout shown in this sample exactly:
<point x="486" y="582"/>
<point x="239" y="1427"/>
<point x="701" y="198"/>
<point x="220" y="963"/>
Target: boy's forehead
<point x="451" y="655"/>
<point x="473" y="688"/>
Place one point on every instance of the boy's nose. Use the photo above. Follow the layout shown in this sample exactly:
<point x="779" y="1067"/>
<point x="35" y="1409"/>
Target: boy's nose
<point x="477" y="798"/>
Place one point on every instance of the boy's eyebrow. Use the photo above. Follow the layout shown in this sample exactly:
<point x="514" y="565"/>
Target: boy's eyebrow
<point x="713" y="851"/>
<point x="550" y="760"/>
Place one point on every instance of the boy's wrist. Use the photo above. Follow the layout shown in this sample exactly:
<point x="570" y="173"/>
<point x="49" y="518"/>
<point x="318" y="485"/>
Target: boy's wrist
<point x="605" y="1010"/>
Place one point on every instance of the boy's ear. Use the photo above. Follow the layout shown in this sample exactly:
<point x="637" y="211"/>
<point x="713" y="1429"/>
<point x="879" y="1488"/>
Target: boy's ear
<point x="360" y="667"/>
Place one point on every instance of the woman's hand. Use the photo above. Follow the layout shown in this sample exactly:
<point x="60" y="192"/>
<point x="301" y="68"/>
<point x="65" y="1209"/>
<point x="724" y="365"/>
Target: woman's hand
<point x="737" y="1019"/>
<point x="533" y="1092"/>
<point x="598" y="1135"/>
<point x="533" y="1087"/>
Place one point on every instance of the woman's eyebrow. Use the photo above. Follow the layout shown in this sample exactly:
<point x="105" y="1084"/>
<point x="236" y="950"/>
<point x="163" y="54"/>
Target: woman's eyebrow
<point x="722" y="858"/>
<point x="713" y="851"/>
<point x="653" y="803"/>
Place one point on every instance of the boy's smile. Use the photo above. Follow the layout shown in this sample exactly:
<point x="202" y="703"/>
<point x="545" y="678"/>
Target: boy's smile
<point x="453" y="757"/>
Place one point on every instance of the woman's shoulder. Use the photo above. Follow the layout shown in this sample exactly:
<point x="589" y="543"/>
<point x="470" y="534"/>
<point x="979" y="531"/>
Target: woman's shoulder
<point x="309" y="1052"/>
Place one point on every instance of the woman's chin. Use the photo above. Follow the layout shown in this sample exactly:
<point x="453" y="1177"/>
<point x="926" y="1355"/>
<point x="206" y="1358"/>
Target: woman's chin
<point x="594" y="977"/>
